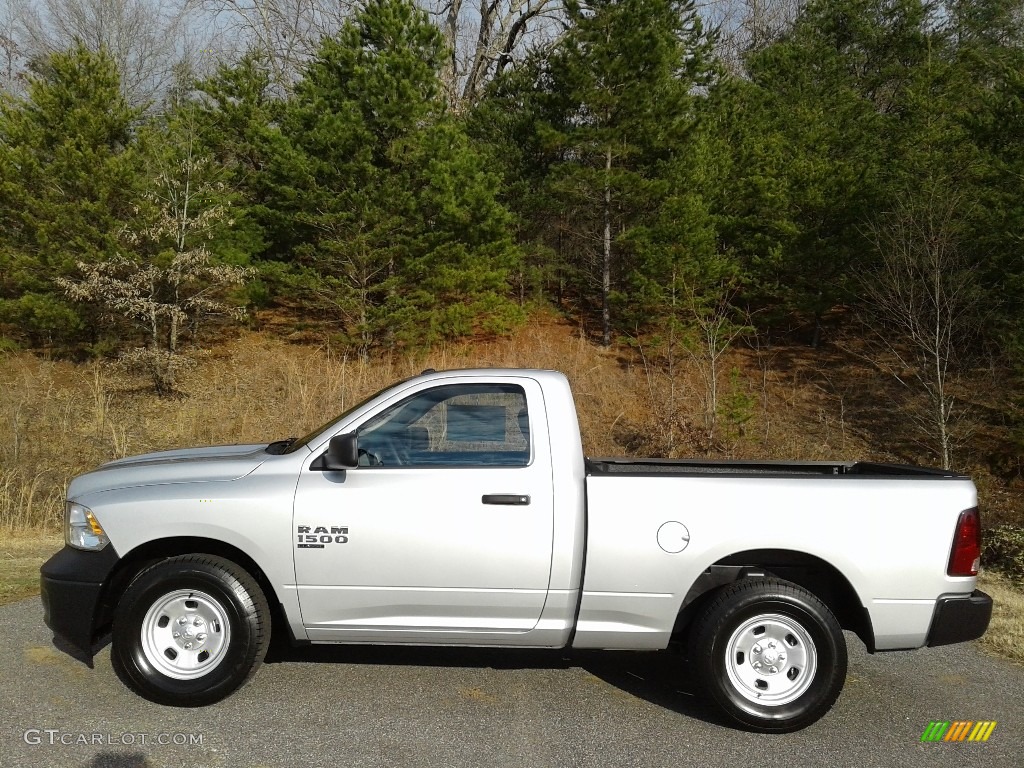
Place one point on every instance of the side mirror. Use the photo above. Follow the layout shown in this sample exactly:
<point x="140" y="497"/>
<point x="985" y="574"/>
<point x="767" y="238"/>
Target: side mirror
<point x="342" y="453"/>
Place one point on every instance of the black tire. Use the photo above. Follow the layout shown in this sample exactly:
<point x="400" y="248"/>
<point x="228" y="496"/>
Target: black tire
<point x="190" y="630"/>
<point x="755" y="626"/>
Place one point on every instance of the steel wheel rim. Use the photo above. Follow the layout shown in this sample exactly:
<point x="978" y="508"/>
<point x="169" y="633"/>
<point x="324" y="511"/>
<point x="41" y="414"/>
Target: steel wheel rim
<point x="771" y="660"/>
<point x="185" y="634"/>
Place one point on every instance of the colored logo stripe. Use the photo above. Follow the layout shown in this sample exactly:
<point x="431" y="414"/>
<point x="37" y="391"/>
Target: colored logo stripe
<point x="935" y="731"/>
<point x="982" y="731"/>
<point x="958" y="730"/>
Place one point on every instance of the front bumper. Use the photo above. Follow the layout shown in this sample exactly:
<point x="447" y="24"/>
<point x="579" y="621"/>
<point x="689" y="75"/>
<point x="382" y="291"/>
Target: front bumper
<point x="71" y="585"/>
<point x="957" y="619"/>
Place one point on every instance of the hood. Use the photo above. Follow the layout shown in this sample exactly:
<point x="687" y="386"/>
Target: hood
<point x="186" y="465"/>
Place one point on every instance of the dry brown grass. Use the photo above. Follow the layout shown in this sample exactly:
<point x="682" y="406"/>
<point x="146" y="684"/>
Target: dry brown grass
<point x="63" y="419"/>
<point x="20" y="558"/>
<point x="1005" y="636"/>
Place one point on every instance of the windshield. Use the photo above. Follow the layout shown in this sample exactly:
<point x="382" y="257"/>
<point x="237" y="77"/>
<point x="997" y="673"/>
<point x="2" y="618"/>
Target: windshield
<point x="324" y="427"/>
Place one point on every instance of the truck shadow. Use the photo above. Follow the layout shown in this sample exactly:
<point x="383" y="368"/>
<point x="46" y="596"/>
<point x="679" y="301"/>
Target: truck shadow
<point x="660" y="678"/>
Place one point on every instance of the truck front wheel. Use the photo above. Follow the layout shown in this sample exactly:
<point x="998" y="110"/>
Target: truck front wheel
<point x="189" y="630"/>
<point x="770" y="654"/>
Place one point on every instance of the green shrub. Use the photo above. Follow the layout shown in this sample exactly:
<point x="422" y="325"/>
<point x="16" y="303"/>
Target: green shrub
<point x="41" y="318"/>
<point x="1004" y="550"/>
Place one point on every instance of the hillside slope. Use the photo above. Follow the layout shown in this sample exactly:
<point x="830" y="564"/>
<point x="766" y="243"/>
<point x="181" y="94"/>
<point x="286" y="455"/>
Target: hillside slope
<point x="784" y="402"/>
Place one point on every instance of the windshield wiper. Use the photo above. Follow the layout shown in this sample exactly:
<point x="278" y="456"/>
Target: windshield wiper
<point x="281" y="446"/>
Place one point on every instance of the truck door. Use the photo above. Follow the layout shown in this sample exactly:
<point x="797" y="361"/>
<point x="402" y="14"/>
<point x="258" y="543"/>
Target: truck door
<point x="443" y="531"/>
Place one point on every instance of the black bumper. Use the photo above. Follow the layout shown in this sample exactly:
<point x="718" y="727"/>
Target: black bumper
<point x="957" y="619"/>
<point x="71" y="585"/>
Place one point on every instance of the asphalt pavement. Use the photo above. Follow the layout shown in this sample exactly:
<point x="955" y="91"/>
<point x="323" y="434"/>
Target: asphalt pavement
<point x="396" y="707"/>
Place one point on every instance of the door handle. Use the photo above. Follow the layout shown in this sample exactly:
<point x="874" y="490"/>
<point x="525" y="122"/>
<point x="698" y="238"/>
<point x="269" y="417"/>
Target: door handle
<point x="506" y="499"/>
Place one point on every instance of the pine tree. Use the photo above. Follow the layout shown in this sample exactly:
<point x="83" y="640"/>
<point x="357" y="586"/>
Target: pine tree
<point x="67" y="185"/>
<point x="512" y="126"/>
<point x="237" y="118"/>
<point x="395" y="217"/>
<point x="984" y="110"/>
<point x="625" y="74"/>
<point x="821" y="102"/>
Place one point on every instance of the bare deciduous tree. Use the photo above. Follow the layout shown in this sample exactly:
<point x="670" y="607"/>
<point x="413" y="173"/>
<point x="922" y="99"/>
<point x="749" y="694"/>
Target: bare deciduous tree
<point x="699" y="326"/>
<point x="713" y="328"/>
<point x="11" y="58"/>
<point x="747" y="25"/>
<point x="162" y="300"/>
<point x="175" y="283"/>
<point x="286" y="32"/>
<point x="926" y="308"/>
<point x="483" y="38"/>
<point x="146" y="38"/>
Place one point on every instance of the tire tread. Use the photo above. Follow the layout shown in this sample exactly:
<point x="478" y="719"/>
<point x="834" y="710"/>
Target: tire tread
<point x="717" y="615"/>
<point x="255" y="610"/>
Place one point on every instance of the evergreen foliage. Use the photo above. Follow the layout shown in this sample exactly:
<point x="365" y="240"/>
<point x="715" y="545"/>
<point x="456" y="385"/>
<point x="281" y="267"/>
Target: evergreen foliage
<point x="621" y="102"/>
<point x="619" y="173"/>
<point x="68" y="180"/>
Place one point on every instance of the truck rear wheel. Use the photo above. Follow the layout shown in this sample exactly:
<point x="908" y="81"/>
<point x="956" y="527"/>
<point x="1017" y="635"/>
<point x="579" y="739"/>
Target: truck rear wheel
<point x="770" y="654"/>
<point x="190" y="630"/>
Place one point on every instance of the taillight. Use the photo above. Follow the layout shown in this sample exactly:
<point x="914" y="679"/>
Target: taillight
<point x="965" y="556"/>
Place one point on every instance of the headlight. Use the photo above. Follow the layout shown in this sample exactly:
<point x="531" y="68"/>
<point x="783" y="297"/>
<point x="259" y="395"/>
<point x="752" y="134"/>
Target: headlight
<point x="81" y="528"/>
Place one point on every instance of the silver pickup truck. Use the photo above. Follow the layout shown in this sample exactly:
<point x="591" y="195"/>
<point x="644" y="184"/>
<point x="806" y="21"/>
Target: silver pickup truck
<point x="457" y="508"/>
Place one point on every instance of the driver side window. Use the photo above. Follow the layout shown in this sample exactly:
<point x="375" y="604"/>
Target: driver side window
<point x="456" y="425"/>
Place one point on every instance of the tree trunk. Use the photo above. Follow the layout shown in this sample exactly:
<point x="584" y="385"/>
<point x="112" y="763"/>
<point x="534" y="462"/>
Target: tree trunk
<point x="606" y="271"/>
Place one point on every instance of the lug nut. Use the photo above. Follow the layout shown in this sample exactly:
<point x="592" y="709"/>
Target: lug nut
<point x="773" y="670"/>
<point x="198" y="622"/>
<point x="183" y="621"/>
<point x="188" y="645"/>
<point x="757" y="648"/>
<point x="757" y="665"/>
<point x="201" y="636"/>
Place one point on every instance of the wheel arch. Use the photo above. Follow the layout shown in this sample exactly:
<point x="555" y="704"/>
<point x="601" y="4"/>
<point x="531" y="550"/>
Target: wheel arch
<point x="817" y="576"/>
<point x="134" y="561"/>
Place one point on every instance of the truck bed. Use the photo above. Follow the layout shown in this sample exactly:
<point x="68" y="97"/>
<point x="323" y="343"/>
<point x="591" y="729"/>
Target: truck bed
<point x="697" y="467"/>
